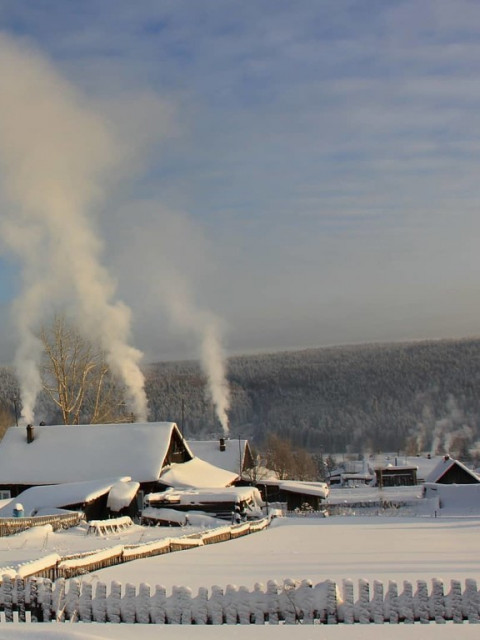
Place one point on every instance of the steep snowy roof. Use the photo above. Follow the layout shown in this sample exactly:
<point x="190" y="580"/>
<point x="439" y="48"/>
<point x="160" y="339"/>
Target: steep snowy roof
<point x="197" y="474"/>
<point x="82" y="452"/>
<point x="230" y="459"/>
<point x="444" y="465"/>
<point x="61" y="495"/>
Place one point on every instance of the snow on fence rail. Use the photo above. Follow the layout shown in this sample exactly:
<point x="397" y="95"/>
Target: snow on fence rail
<point x="104" y="527"/>
<point x="9" y="526"/>
<point x="292" y="602"/>
<point x="53" y="566"/>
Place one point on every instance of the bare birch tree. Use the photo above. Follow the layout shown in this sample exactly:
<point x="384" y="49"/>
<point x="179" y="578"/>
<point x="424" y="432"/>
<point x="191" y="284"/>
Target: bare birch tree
<point x="76" y="377"/>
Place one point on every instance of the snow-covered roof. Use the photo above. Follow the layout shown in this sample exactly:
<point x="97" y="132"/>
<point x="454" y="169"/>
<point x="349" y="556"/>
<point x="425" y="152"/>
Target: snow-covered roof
<point x="230" y="459"/>
<point x="197" y="473"/>
<point x="198" y="496"/>
<point x="444" y="465"/>
<point x="319" y="489"/>
<point x="122" y="494"/>
<point x="60" y="495"/>
<point x="79" y="453"/>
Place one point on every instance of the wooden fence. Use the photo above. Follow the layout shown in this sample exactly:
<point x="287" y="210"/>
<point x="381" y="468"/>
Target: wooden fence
<point x="53" y="566"/>
<point x="292" y="602"/>
<point x="9" y="526"/>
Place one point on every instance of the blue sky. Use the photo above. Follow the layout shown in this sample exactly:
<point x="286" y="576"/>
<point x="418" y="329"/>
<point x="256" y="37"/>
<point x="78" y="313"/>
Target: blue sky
<point x="310" y="169"/>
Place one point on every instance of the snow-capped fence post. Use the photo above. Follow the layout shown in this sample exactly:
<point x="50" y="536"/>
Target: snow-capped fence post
<point x="348" y="611"/>
<point x="7" y="597"/>
<point x="437" y="602"/>
<point x="58" y="600"/>
<point x="113" y="603"/>
<point x="215" y="605"/>
<point x="127" y="604"/>
<point x="34" y="607"/>
<point x="71" y="599"/>
<point x="259" y="604"/>
<point x="143" y="604"/>
<point x="377" y="603"/>
<point x="471" y="601"/>
<point x="174" y="608"/>
<point x="244" y="606"/>
<point x="45" y="597"/>
<point x="272" y="601"/>
<point x="288" y="609"/>
<point x="20" y="596"/>
<point x="200" y="607"/>
<point x="391" y="603"/>
<point x="230" y="604"/>
<point x="421" y="602"/>
<point x="99" y="603"/>
<point x="85" y="603"/>
<point x="405" y="604"/>
<point x="453" y="602"/>
<point x="305" y="601"/>
<point x="332" y="617"/>
<point x="362" y="608"/>
<point x="158" y="605"/>
<point x="185" y="602"/>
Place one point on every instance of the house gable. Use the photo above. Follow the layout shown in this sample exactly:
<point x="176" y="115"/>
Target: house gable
<point x="450" y="471"/>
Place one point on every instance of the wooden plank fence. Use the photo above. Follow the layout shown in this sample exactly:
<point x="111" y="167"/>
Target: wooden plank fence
<point x="10" y="526"/>
<point x="53" y="566"/>
<point x="293" y="602"/>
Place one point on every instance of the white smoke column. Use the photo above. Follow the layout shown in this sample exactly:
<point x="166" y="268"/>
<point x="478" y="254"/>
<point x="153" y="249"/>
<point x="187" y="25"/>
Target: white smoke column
<point x="185" y="314"/>
<point x="54" y="154"/>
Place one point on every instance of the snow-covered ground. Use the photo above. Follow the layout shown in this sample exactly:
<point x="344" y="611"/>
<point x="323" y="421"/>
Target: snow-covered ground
<point x="321" y="548"/>
<point x="382" y="548"/>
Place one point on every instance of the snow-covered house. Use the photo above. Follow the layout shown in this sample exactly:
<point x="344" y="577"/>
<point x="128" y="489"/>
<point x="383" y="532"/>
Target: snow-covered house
<point x="296" y="494"/>
<point x="233" y="455"/>
<point x="65" y="454"/>
<point x="352" y="473"/>
<point x="399" y="475"/>
<point x="451" y="471"/>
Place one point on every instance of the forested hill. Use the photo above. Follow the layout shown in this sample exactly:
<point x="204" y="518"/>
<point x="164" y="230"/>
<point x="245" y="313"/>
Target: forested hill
<point x="421" y="395"/>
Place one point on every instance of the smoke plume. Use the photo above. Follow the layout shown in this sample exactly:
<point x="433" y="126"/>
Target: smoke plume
<point x="55" y="153"/>
<point x="185" y="315"/>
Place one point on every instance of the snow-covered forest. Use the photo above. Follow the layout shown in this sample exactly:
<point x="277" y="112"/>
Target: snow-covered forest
<point x="406" y="396"/>
<point x="403" y="397"/>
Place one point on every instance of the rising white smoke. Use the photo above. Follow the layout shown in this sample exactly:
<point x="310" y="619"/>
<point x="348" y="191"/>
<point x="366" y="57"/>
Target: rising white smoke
<point x="55" y="153"/>
<point x="186" y="315"/>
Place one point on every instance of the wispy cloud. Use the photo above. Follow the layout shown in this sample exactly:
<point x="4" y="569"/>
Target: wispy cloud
<point x="327" y="152"/>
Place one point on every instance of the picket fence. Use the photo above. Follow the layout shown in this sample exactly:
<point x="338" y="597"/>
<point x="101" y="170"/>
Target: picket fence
<point x="54" y="566"/>
<point x="293" y="602"/>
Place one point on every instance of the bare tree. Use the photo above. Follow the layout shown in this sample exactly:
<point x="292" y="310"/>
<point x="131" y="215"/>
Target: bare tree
<point x="76" y="377"/>
<point x="288" y="462"/>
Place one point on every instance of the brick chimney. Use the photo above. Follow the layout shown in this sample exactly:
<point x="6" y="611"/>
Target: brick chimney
<point x="222" y="444"/>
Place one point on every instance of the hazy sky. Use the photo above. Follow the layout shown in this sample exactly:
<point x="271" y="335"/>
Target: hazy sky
<point x="308" y="171"/>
